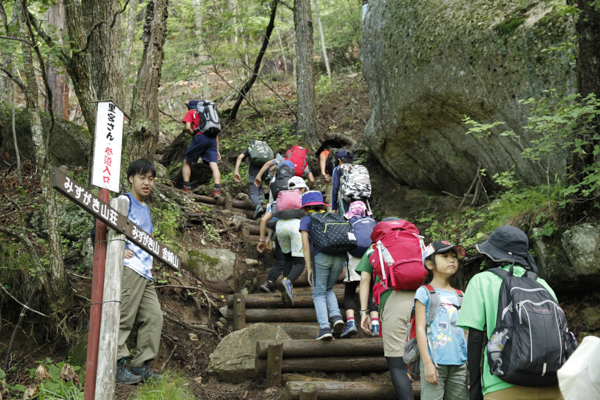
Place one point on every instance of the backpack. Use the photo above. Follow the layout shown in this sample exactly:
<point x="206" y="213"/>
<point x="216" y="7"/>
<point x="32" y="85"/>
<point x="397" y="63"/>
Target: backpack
<point x="93" y="230"/>
<point x="289" y="200"/>
<point x="331" y="161"/>
<point x="531" y="341"/>
<point x="398" y="257"/>
<point x="210" y="120"/>
<point x="331" y="234"/>
<point x="260" y="152"/>
<point x="282" y="176"/>
<point x="355" y="183"/>
<point x="362" y="227"/>
<point x="299" y="157"/>
<point x="412" y="356"/>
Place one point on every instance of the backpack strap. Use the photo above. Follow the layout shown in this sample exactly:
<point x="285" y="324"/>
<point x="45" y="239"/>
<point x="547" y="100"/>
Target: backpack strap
<point x="459" y="296"/>
<point x="434" y="304"/>
<point x="502" y="273"/>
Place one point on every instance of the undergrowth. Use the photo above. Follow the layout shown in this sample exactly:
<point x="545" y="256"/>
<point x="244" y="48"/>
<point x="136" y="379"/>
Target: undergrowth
<point x="170" y="387"/>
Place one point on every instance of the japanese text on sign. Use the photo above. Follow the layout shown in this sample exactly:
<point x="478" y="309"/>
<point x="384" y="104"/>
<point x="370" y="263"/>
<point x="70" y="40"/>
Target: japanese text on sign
<point x="107" y="146"/>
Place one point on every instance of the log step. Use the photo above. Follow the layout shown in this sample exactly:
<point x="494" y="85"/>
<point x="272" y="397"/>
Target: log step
<point x="327" y="364"/>
<point x="281" y="315"/>
<point x="298" y="330"/>
<point x="319" y="348"/>
<point x="273" y="300"/>
<point x="346" y="390"/>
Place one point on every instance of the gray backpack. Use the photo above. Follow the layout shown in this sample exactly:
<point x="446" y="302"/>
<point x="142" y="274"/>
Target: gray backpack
<point x="355" y="183"/>
<point x="260" y="152"/>
<point x="210" y="120"/>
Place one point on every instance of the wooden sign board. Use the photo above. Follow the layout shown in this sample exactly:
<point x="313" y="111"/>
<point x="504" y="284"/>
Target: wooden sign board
<point x="81" y="196"/>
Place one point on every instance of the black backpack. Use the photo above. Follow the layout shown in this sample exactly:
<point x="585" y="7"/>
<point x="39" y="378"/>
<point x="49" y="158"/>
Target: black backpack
<point x="282" y="176"/>
<point x="331" y="234"/>
<point x="531" y="340"/>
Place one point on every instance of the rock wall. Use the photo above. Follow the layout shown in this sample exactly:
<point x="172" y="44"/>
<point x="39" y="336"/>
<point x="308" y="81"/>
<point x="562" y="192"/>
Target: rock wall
<point x="430" y="63"/>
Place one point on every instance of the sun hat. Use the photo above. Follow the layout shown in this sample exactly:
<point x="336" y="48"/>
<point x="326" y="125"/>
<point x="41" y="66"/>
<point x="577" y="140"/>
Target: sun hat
<point x="313" y="198"/>
<point x="510" y="244"/>
<point x="296" y="183"/>
<point x="357" y="208"/>
<point x="442" y="247"/>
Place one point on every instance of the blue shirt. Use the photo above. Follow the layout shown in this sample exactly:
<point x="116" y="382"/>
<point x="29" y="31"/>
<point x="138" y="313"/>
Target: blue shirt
<point x="447" y="339"/>
<point x="335" y="187"/>
<point x="141" y="262"/>
<point x="306" y="225"/>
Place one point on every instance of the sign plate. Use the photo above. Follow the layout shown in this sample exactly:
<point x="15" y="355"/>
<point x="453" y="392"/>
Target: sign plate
<point x="108" y="143"/>
<point x="105" y="213"/>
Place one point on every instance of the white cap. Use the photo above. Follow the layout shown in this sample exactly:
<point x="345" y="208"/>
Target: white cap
<point x="296" y="183"/>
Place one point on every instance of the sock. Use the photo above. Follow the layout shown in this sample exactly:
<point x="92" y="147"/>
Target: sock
<point x="375" y="321"/>
<point x="349" y="319"/>
<point x="186" y="184"/>
<point x="217" y="186"/>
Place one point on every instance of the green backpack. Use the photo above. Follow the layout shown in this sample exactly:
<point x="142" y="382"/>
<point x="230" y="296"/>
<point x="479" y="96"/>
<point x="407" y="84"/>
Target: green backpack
<point x="260" y="152"/>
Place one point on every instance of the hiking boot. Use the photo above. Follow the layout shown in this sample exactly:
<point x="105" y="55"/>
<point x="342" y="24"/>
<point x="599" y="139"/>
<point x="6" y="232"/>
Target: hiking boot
<point x="324" y="334"/>
<point x="375" y="330"/>
<point x="267" y="287"/>
<point x="286" y="288"/>
<point x="350" y="330"/>
<point x="146" y="373"/>
<point x="215" y="194"/>
<point x="259" y="211"/>
<point x="337" y="325"/>
<point x="187" y="189"/>
<point x="124" y="376"/>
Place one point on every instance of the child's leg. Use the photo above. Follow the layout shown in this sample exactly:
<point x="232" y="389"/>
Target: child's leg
<point x="337" y="265"/>
<point x="216" y="173"/>
<point x="349" y="294"/>
<point x="456" y="382"/>
<point x="296" y="267"/>
<point x="323" y="263"/>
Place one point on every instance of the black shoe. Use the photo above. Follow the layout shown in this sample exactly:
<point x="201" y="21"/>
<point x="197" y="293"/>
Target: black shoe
<point x="258" y="211"/>
<point x="337" y="326"/>
<point x="146" y="373"/>
<point x="268" y="287"/>
<point x="124" y="376"/>
<point x="324" y="334"/>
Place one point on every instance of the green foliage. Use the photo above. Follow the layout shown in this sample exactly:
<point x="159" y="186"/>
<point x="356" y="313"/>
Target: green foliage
<point x="167" y="220"/>
<point x="210" y="232"/>
<point x="170" y="387"/>
<point x="55" y="387"/>
<point x="15" y="259"/>
<point x="509" y="26"/>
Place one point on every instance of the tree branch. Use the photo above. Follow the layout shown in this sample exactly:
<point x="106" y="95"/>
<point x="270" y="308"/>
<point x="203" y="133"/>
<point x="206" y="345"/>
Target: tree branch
<point x="11" y="76"/>
<point x="23" y="305"/>
<point x="48" y="39"/>
<point x="240" y="93"/>
<point x="97" y="25"/>
<point x="287" y="5"/>
<point x="17" y="39"/>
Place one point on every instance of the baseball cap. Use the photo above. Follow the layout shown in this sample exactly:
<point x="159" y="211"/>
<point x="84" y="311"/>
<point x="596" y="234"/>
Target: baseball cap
<point x="442" y="247"/>
<point x="296" y="183"/>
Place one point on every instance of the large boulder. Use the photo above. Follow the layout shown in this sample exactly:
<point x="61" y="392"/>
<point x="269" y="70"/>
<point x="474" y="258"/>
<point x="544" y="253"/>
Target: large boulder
<point x="234" y="358"/>
<point x="553" y="264"/>
<point x="430" y="63"/>
<point x="581" y="244"/>
<point x="218" y="269"/>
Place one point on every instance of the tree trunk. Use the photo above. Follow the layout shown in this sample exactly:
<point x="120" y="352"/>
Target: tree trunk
<point x="588" y="79"/>
<point x="56" y="287"/>
<point x="248" y="85"/>
<point x="143" y="135"/>
<point x="56" y="80"/>
<point x="130" y="35"/>
<point x="199" y="17"/>
<point x="305" y="72"/>
<point x="325" y="59"/>
<point x="105" y="49"/>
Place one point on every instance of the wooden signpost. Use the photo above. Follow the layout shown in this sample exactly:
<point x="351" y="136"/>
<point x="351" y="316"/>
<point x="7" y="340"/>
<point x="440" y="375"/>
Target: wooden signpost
<point x="81" y="196"/>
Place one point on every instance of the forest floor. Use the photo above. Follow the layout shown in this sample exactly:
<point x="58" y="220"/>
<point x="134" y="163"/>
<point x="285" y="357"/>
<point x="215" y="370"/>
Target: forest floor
<point x="185" y="350"/>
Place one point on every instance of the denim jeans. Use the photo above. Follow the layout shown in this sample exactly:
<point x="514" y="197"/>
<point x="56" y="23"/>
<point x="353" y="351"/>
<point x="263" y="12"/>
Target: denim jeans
<point x="326" y="271"/>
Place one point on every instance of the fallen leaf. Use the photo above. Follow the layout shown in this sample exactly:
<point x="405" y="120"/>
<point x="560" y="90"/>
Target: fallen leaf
<point x="67" y="374"/>
<point x="198" y="379"/>
<point x="41" y="373"/>
<point x="30" y="392"/>
<point x="193" y="337"/>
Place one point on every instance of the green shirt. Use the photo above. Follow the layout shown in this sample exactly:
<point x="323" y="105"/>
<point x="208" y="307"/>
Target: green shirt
<point x="478" y="311"/>
<point x="365" y="265"/>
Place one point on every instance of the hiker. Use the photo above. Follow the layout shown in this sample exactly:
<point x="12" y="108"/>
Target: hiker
<point x="289" y="240"/>
<point x="326" y="154"/>
<point x="204" y="144"/>
<point x="292" y="158"/>
<point x="139" y="302"/>
<point x="350" y="182"/>
<point x="362" y="226"/>
<point x="337" y="202"/>
<point x="325" y="240"/>
<point x="257" y="152"/>
<point x="395" y="306"/>
<point x="510" y="266"/>
<point x="441" y="344"/>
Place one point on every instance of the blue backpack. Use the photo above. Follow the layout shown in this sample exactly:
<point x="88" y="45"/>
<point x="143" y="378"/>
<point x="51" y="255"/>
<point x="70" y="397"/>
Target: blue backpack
<point x="362" y="228"/>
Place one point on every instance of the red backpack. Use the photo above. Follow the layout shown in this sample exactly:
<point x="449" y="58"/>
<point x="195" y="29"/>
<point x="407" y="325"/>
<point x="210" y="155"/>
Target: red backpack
<point x="398" y="257"/>
<point x="299" y="157"/>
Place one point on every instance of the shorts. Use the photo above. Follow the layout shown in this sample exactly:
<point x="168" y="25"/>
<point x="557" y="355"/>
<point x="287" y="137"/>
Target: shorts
<point x="289" y="236"/>
<point x="394" y="321"/>
<point x="202" y="146"/>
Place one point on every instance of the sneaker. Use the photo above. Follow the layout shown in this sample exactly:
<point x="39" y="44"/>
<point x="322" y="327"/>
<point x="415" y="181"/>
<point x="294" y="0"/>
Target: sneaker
<point x="267" y="287"/>
<point x="146" y="373"/>
<point x="375" y="330"/>
<point x="215" y="194"/>
<point x="187" y="189"/>
<point x="350" y="330"/>
<point x="337" y="325"/>
<point x="286" y="288"/>
<point x="324" y="334"/>
<point x="124" y="376"/>
<point x="258" y="212"/>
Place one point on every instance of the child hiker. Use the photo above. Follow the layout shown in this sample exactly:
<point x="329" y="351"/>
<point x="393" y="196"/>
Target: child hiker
<point x="327" y="269"/>
<point x="139" y="302"/>
<point x="442" y="345"/>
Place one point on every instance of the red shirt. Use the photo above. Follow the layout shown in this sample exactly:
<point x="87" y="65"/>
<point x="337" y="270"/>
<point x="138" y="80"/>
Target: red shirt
<point x="192" y="117"/>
